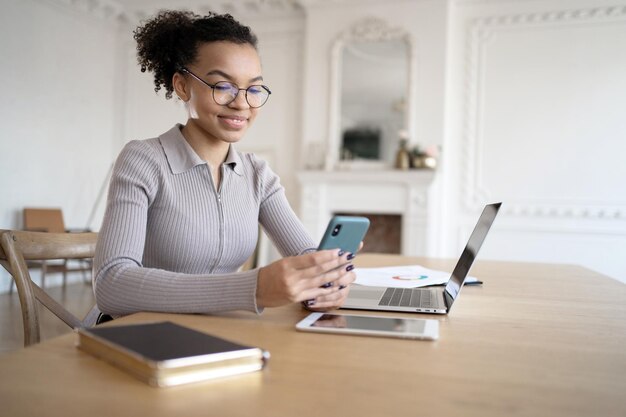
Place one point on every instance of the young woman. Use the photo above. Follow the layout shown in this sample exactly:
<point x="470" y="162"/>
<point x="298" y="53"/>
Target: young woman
<point x="183" y="208"/>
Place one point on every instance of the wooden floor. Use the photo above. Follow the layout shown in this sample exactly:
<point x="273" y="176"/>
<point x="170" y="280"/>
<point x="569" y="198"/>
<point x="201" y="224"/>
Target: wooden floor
<point x="77" y="298"/>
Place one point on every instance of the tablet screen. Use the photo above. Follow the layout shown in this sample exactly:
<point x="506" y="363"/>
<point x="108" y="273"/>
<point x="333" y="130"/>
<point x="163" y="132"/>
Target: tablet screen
<point x="383" y="324"/>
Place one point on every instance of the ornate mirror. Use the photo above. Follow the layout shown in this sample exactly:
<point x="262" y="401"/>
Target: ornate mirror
<point x="371" y="95"/>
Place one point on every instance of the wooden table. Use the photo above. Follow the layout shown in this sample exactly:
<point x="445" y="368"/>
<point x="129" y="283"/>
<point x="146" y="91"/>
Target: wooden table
<point x="535" y="339"/>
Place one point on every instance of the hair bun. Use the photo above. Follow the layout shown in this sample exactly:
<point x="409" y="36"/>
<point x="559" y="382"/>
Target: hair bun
<point x="170" y="40"/>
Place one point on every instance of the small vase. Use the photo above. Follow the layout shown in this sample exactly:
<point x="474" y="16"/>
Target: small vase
<point x="403" y="159"/>
<point x="403" y="156"/>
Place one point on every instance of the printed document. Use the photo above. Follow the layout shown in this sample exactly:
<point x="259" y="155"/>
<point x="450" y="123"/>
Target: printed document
<point x="411" y="276"/>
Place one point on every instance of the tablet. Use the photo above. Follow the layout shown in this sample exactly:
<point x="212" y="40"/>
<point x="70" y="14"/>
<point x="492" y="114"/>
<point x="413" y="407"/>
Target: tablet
<point x="404" y="328"/>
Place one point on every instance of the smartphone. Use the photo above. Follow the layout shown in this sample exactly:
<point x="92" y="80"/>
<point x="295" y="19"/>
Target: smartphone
<point x="404" y="328"/>
<point x="345" y="232"/>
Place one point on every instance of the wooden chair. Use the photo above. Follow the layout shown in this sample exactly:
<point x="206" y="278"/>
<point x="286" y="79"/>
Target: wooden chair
<point x="18" y="247"/>
<point x="44" y="220"/>
<point x="50" y="220"/>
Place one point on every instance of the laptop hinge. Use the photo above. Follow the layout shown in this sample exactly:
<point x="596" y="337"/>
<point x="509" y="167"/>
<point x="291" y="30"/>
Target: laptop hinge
<point x="445" y="296"/>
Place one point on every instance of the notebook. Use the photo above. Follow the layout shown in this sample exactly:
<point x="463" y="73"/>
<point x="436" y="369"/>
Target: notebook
<point x="426" y="300"/>
<point x="165" y="354"/>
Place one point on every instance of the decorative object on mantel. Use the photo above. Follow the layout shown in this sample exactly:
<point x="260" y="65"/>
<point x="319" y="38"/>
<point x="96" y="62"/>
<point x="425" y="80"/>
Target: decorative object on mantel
<point x="426" y="159"/>
<point x="403" y="157"/>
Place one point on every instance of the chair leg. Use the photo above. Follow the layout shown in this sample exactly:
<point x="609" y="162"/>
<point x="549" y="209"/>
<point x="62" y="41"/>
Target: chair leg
<point x="44" y="268"/>
<point x="89" y="272"/>
<point x="64" y="273"/>
<point x="83" y="271"/>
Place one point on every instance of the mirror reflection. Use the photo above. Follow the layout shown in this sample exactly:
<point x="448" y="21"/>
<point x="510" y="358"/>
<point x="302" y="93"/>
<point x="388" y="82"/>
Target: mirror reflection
<point x="374" y="85"/>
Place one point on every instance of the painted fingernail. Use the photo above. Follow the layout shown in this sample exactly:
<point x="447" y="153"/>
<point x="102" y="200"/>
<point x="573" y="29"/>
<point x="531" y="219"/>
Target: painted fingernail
<point x="341" y="287"/>
<point x="341" y="252"/>
<point x="351" y="256"/>
<point x="328" y="284"/>
<point x="349" y="267"/>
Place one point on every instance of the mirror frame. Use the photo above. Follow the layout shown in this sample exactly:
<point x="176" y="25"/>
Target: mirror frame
<point x="367" y="29"/>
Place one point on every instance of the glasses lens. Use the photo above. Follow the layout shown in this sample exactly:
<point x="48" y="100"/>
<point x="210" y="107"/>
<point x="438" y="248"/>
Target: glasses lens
<point x="256" y="95"/>
<point x="224" y="92"/>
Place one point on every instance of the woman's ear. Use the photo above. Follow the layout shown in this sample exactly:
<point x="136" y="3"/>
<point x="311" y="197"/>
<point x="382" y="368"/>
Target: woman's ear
<point x="179" y="82"/>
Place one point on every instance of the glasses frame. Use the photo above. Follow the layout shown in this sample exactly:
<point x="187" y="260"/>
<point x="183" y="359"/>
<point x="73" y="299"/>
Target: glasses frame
<point x="212" y="86"/>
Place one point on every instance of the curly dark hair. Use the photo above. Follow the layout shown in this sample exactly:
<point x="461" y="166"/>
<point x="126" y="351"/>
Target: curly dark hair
<point x="170" y="41"/>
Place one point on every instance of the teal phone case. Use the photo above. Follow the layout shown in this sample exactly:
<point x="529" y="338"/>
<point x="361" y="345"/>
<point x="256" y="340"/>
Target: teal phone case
<point x="345" y="232"/>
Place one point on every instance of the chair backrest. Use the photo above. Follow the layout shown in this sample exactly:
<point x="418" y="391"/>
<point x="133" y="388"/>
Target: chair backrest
<point x="17" y="247"/>
<point x="44" y="220"/>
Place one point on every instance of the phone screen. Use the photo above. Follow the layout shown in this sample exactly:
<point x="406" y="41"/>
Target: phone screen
<point x="383" y="324"/>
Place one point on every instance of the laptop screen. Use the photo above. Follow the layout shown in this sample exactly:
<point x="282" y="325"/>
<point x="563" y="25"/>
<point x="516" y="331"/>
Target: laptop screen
<point x="469" y="253"/>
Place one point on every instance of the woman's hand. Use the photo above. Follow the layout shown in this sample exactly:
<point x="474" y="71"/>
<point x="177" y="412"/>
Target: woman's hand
<point x="334" y="300"/>
<point x="319" y="278"/>
<point x="330" y="301"/>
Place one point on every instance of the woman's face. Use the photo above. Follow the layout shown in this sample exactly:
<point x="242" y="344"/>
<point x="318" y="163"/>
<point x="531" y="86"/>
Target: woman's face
<point x="221" y="61"/>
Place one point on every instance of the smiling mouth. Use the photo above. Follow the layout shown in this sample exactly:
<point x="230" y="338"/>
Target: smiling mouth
<point x="234" y="120"/>
<point x="240" y="118"/>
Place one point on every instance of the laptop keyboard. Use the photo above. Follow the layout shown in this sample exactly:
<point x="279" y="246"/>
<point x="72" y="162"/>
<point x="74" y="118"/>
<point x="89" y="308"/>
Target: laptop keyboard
<point x="408" y="297"/>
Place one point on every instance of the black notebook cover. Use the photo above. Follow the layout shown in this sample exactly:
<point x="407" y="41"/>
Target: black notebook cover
<point x="164" y="340"/>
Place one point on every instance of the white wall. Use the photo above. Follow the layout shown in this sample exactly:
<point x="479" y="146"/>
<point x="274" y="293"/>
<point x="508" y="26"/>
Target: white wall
<point x="58" y="110"/>
<point x="535" y="110"/>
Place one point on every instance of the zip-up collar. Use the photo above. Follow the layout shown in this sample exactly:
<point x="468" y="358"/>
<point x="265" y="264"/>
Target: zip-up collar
<point x="181" y="157"/>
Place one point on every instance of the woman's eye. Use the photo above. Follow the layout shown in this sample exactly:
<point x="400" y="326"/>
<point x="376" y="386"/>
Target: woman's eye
<point x="223" y="87"/>
<point x="255" y="90"/>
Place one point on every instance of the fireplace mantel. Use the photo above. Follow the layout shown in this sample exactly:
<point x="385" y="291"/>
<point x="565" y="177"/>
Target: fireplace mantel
<point x="398" y="192"/>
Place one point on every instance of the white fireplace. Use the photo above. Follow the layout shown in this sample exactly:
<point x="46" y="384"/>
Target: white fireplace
<point x="394" y="192"/>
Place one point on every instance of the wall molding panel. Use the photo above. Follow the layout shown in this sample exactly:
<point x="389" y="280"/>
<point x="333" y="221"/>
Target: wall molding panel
<point x="480" y="33"/>
<point x="537" y="94"/>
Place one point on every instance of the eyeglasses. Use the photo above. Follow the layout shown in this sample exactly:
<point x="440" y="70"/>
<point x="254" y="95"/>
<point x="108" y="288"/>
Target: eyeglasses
<point x="225" y="92"/>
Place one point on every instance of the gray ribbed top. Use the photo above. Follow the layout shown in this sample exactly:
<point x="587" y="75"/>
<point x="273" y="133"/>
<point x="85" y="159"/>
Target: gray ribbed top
<point x="171" y="242"/>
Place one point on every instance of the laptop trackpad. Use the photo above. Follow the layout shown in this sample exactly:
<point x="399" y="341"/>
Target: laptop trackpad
<point x="366" y="293"/>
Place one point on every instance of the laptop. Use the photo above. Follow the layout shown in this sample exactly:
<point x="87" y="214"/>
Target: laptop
<point x="426" y="300"/>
